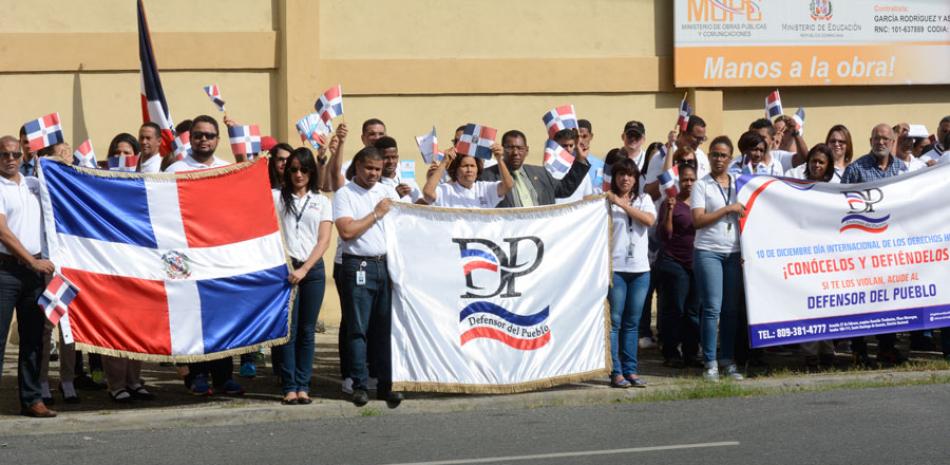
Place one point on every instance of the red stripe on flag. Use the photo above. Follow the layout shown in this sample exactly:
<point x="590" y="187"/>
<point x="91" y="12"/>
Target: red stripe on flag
<point x="207" y="224"/>
<point x="121" y="313"/>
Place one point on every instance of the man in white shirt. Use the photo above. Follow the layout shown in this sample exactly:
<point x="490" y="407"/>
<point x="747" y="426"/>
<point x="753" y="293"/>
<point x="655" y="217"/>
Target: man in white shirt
<point x="936" y="152"/>
<point x="694" y="136"/>
<point x="407" y="189"/>
<point x="774" y="160"/>
<point x="567" y="139"/>
<point x="150" y="140"/>
<point x="21" y="274"/>
<point x="365" y="297"/>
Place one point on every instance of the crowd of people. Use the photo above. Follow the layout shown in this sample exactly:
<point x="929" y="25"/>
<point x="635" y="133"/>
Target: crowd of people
<point x="682" y="249"/>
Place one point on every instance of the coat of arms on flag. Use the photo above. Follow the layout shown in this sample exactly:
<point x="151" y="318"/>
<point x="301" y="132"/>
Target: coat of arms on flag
<point x="44" y="132"/>
<point x="245" y="140"/>
<point x="330" y="104"/>
<point x="85" y="156"/>
<point x="214" y="93"/>
<point x="476" y="141"/>
<point x="182" y="145"/>
<point x="166" y="273"/>
<point x="56" y="298"/>
<point x="560" y="118"/>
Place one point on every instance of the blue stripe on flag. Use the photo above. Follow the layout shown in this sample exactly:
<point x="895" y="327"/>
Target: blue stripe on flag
<point x="103" y="208"/>
<point x="244" y="310"/>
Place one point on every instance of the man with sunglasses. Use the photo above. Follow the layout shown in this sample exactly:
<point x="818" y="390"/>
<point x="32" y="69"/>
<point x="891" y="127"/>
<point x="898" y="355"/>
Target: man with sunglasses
<point x="21" y="274"/>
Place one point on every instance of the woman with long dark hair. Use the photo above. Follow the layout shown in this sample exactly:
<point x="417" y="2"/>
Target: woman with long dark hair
<point x="307" y="219"/>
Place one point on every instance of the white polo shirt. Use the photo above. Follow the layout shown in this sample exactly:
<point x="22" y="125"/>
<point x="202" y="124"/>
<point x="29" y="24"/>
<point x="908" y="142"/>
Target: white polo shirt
<point x="414" y="192"/>
<point x="723" y="235"/>
<point x="302" y="222"/>
<point x="629" y="237"/>
<point x="352" y="201"/>
<point x="190" y="164"/>
<point x="20" y="206"/>
<point x="483" y="194"/>
<point x="152" y="165"/>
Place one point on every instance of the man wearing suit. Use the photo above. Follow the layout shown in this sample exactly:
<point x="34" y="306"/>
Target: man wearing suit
<point x="534" y="186"/>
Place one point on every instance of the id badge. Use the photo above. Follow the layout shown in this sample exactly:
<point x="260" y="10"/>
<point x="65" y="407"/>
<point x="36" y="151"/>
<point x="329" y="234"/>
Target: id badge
<point x="360" y="278"/>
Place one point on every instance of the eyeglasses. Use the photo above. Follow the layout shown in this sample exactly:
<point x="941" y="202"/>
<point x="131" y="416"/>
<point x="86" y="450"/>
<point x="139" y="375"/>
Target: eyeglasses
<point x="837" y="141"/>
<point x="13" y="155"/>
<point x="196" y="135"/>
<point x="516" y="148"/>
<point x="300" y="170"/>
<point x="718" y="155"/>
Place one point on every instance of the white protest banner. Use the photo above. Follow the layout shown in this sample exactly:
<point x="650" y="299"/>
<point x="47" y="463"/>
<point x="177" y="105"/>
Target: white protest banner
<point x="498" y="301"/>
<point x="829" y="261"/>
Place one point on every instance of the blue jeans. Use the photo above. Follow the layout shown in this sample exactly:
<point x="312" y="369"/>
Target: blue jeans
<point x="626" y="304"/>
<point x="367" y="309"/>
<point x="296" y="357"/>
<point x="679" y="309"/>
<point x="718" y="279"/>
<point x="20" y="287"/>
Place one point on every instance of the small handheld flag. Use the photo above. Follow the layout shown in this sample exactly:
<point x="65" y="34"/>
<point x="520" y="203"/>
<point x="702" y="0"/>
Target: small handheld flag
<point x="560" y="118"/>
<point x="476" y="141"/>
<point x="182" y="145"/>
<point x="683" y="119"/>
<point x="245" y="140"/>
<point x="557" y="160"/>
<point x="123" y="162"/>
<point x="800" y="120"/>
<point x="44" y="132"/>
<point x="215" y="94"/>
<point x="84" y="155"/>
<point x="330" y="104"/>
<point x="429" y="147"/>
<point x="314" y="130"/>
<point x="56" y="298"/>
<point x="773" y="105"/>
<point x="668" y="182"/>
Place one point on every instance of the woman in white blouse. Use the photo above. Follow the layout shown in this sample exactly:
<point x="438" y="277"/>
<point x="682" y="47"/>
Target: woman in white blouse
<point x="464" y="190"/>
<point x="307" y="218"/>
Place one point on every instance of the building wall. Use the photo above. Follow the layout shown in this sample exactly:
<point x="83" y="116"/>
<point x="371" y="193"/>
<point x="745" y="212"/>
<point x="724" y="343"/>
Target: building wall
<point x="412" y="63"/>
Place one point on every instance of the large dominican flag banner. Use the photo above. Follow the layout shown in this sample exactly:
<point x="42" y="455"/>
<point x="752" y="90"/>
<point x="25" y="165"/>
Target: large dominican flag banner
<point x="167" y="270"/>
<point x="506" y="300"/>
<point x="848" y="260"/>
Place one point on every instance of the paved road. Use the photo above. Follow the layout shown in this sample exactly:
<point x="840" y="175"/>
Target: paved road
<point x="908" y="425"/>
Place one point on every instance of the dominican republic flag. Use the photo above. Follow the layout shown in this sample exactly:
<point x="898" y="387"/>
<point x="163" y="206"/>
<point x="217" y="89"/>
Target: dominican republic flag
<point x="476" y="141"/>
<point x="182" y="145"/>
<point x="314" y="130"/>
<point x="56" y="298"/>
<point x="44" y="132"/>
<point x="154" y="105"/>
<point x="560" y="118"/>
<point x="330" y="104"/>
<point x="429" y="147"/>
<point x="773" y="105"/>
<point x="214" y="93"/>
<point x="85" y="156"/>
<point x="799" y="118"/>
<point x="245" y="140"/>
<point x="123" y="163"/>
<point x="669" y="182"/>
<point x="557" y="160"/>
<point x="170" y="269"/>
<point x="683" y="119"/>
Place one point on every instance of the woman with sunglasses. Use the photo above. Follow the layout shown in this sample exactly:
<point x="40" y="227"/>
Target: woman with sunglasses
<point x="716" y="258"/>
<point x="307" y="217"/>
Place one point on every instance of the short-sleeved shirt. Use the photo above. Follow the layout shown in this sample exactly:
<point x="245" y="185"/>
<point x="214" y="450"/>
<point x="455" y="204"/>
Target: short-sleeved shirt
<point x="771" y="169"/>
<point x="414" y="192"/>
<point x="784" y="158"/>
<point x="798" y="172"/>
<point x="679" y="245"/>
<point x="865" y="169"/>
<point x="302" y="222"/>
<point x="190" y="164"/>
<point x="353" y="201"/>
<point x="723" y="235"/>
<point x="152" y="165"/>
<point x="583" y="189"/>
<point x="914" y="164"/>
<point x="629" y="237"/>
<point x="483" y="194"/>
<point x="20" y="204"/>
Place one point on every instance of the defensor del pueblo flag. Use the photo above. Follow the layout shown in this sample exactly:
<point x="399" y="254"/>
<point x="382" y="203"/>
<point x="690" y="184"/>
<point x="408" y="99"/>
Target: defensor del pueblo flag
<point x="848" y="260"/>
<point x="498" y="301"/>
<point x="168" y="270"/>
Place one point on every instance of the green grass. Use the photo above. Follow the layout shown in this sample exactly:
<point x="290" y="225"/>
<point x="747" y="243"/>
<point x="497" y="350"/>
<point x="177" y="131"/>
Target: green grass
<point x="370" y="412"/>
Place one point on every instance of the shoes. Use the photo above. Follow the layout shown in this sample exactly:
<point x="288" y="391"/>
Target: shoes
<point x="289" y="401"/>
<point x="37" y="410"/>
<point x="393" y="399"/>
<point x="347" y="386"/>
<point x="732" y="371"/>
<point x="304" y="400"/>
<point x="372" y="383"/>
<point x="891" y="357"/>
<point x="232" y="388"/>
<point x="360" y="397"/>
<point x="635" y="381"/>
<point x="85" y="383"/>
<point x="619" y="382"/>
<point x="140" y="393"/>
<point x="646" y="343"/>
<point x="711" y="373"/>
<point x="122" y="396"/>
<point x="73" y="399"/>
<point x="248" y="370"/>
<point x="200" y="386"/>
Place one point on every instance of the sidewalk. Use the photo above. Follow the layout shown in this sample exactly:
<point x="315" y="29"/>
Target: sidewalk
<point x="176" y="407"/>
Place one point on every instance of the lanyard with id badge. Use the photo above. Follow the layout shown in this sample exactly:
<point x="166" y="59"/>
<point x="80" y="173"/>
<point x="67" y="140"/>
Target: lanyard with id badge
<point x="361" y="274"/>
<point x="725" y="200"/>
<point x="633" y="238"/>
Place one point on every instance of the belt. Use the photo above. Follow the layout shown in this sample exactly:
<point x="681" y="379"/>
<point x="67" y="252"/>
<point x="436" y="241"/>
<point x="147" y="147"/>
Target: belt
<point x="368" y="258"/>
<point x="9" y="260"/>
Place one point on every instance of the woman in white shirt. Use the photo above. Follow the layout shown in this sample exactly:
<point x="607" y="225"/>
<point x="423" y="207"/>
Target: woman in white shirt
<point x="753" y="149"/>
<point x="464" y="191"/>
<point x="632" y="214"/>
<point x="307" y="218"/>
<point x="716" y="260"/>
